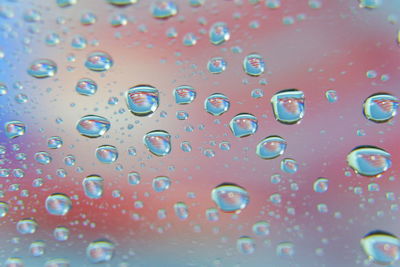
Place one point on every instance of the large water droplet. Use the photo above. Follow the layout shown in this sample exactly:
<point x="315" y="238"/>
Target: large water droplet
<point x="107" y="154"/>
<point x="381" y="247"/>
<point x="216" y="104"/>
<point x="288" y="106"/>
<point x="254" y="65"/>
<point x="58" y="204"/>
<point x="216" y="65"/>
<point x="42" y="68"/>
<point x="43" y="157"/>
<point x="93" y="186"/>
<point x="93" y="126"/>
<point x="158" y="142"/>
<point x="142" y="100"/>
<point x="161" y="183"/>
<point x="219" y="33"/>
<point x="184" y="94"/>
<point x="181" y="210"/>
<point x="86" y="87"/>
<point x="27" y="226"/>
<point x="230" y="197"/>
<point x="162" y="9"/>
<point x="271" y="147"/>
<point x="14" y="129"/>
<point x="243" y="125"/>
<point x="245" y="245"/>
<point x="380" y="107"/>
<point x="100" y="251"/>
<point x="369" y="160"/>
<point x="99" y="61"/>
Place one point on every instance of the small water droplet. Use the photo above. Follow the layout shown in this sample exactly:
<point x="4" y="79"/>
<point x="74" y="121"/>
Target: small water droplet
<point x="107" y="154"/>
<point x="288" y="106"/>
<point x="219" y="33"/>
<point x="158" y="142"/>
<point x="99" y="251"/>
<point x="99" y="61"/>
<point x="216" y="65"/>
<point x="243" y="125"/>
<point x="321" y="185"/>
<point x="58" y="204"/>
<point x="161" y="183"/>
<point x="93" y="126"/>
<point x="162" y="9"/>
<point x="254" y="65"/>
<point x="42" y="68"/>
<point x="93" y="186"/>
<point x="27" y="226"/>
<point x="271" y="147"/>
<point x="184" y="94"/>
<point x="181" y="210"/>
<point x="230" y="197"/>
<point x="142" y="100"/>
<point x="14" y="129"/>
<point x="246" y="245"/>
<point x="216" y="104"/>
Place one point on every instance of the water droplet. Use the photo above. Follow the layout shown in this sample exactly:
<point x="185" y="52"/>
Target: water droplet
<point x="230" y="197"/>
<point x="219" y="33"/>
<point x="182" y="115"/>
<point x="161" y="183"/>
<point x="107" y="154"/>
<point x="43" y="157"/>
<point x="3" y="209"/>
<point x="122" y="3"/>
<point x="54" y="142"/>
<point x="271" y="147"/>
<point x="196" y="3"/>
<point x="370" y="3"/>
<point x="93" y="186"/>
<point x="261" y="228"/>
<point x="58" y="204"/>
<point x="142" y="100"/>
<point x="331" y="96"/>
<point x="246" y="245"/>
<point x="70" y="160"/>
<point x="186" y="146"/>
<point x="289" y="165"/>
<point x="134" y="178"/>
<point x="257" y="93"/>
<point x="381" y="247"/>
<point x="118" y="20"/>
<point x="99" y="61"/>
<point x="57" y="263"/>
<point x="14" y="129"/>
<point x="285" y="249"/>
<point x="217" y="104"/>
<point x="184" y="94"/>
<point x="288" y="106"/>
<point x="66" y="3"/>
<point x="321" y="185"/>
<point x="86" y="87"/>
<point x="42" y="68"/>
<point x="27" y="226"/>
<point x="100" y="251"/>
<point x="216" y="65"/>
<point x="14" y="262"/>
<point x="254" y="65"/>
<point x="243" y="125"/>
<point x="32" y="16"/>
<point x="190" y="39"/>
<point x="158" y="142"/>
<point x="212" y="214"/>
<point x="88" y="19"/>
<point x="61" y="233"/>
<point x="380" y="107"/>
<point x="181" y="210"/>
<point x="93" y="126"/>
<point x="79" y="42"/>
<point x="369" y="160"/>
<point x="36" y="248"/>
<point x="52" y="39"/>
<point x="273" y="4"/>
<point x="162" y="9"/>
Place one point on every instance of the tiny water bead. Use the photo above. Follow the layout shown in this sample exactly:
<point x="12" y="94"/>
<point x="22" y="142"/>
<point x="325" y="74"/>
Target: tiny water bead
<point x="254" y="65"/>
<point x="158" y="142"/>
<point x="93" y="126"/>
<point x="107" y="154"/>
<point x="99" y="251"/>
<point x="122" y="3"/>
<point x="162" y="9"/>
<point x="216" y="65"/>
<point x="217" y="104"/>
<point x="219" y="33"/>
<point x="243" y="124"/>
<point x="58" y="204"/>
<point x="42" y="68"/>
<point x="61" y="233"/>
<point x="27" y="226"/>
<point x="54" y="142"/>
<point x="321" y="185"/>
<point x="245" y="245"/>
<point x="134" y="178"/>
<point x="288" y="106"/>
<point x="3" y="209"/>
<point x="369" y="161"/>
<point x="271" y="147"/>
<point x="184" y="94"/>
<point x="380" y="107"/>
<point x="181" y="210"/>
<point x="331" y="96"/>
<point x="182" y="115"/>
<point x="14" y="129"/>
<point x="43" y="157"/>
<point x="86" y="87"/>
<point x="289" y="165"/>
<point x="381" y="247"/>
<point x="142" y="100"/>
<point x="99" y="61"/>
<point x="230" y="197"/>
<point x="161" y="183"/>
<point x="93" y="186"/>
<point x="257" y="93"/>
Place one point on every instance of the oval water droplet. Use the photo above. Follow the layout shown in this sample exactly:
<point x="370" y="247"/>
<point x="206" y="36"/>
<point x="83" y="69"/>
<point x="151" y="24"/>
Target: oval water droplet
<point x="101" y="250"/>
<point x="371" y="4"/>
<point x="54" y="142"/>
<point x="246" y="245"/>
<point x="66" y="3"/>
<point x="118" y="20"/>
<point x="42" y="68"/>
<point x="219" y="33"/>
<point x="79" y="42"/>
<point x="107" y="154"/>
<point x="254" y="64"/>
<point x="99" y="61"/>
<point x="122" y="3"/>
<point x="162" y="9"/>
<point x="43" y="157"/>
<point x="158" y="142"/>
<point x="369" y="161"/>
<point x="381" y="247"/>
<point x="161" y="183"/>
<point x="288" y="106"/>
<point x="230" y="197"/>
<point x="93" y="186"/>
<point x="184" y="94"/>
<point x="58" y="204"/>
<point x="380" y="107"/>
<point x="271" y="147"/>
<point x="217" y="104"/>
<point x="14" y="129"/>
<point x="321" y="185"/>
<point x="86" y="87"/>
<point x="181" y="210"/>
<point x="243" y="124"/>
<point x="142" y="100"/>
<point x="93" y="126"/>
<point x="27" y="226"/>
<point x="216" y="65"/>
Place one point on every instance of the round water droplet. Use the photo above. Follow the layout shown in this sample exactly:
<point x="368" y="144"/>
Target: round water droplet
<point x="331" y="96"/>
<point x="370" y="3"/>
<point x="261" y="228"/>
<point x="230" y="197"/>
<point x="216" y="65"/>
<point x="70" y="160"/>
<point x="88" y="18"/>
<point x="27" y="226"/>
<point x="14" y="129"/>
<point x="42" y="68"/>
<point x="369" y="160"/>
<point x="3" y="209"/>
<point x="186" y="146"/>
<point x="271" y="147"/>
<point x="79" y="42"/>
<point x="217" y="104"/>
<point x="66" y="3"/>
<point x="243" y="125"/>
<point x="93" y="126"/>
<point x="285" y="249"/>
<point x="54" y="142"/>
<point x="321" y="185"/>
<point x="158" y="142"/>
<point x="181" y="210"/>
<point x="58" y="204"/>
<point x="162" y="9"/>
<point x="107" y="154"/>
<point x="122" y="3"/>
<point x="289" y="165"/>
<point x="61" y="233"/>
<point x="161" y="183"/>
<point x="190" y="39"/>
<point x="254" y="65"/>
<point x="36" y="248"/>
<point x="219" y="33"/>
<point x="93" y="186"/>
<point x="246" y="245"/>
<point x="380" y="107"/>
<point x="43" y="157"/>
<point x="381" y="247"/>
<point x="288" y="106"/>
<point x="52" y="39"/>
<point x="142" y="100"/>
<point x="134" y="178"/>
<point x="86" y="87"/>
<point x="118" y="20"/>
<point x="257" y="93"/>
<point x="99" y="61"/>
<point x="184" y="94"/>
<point x="100" y="251"/>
